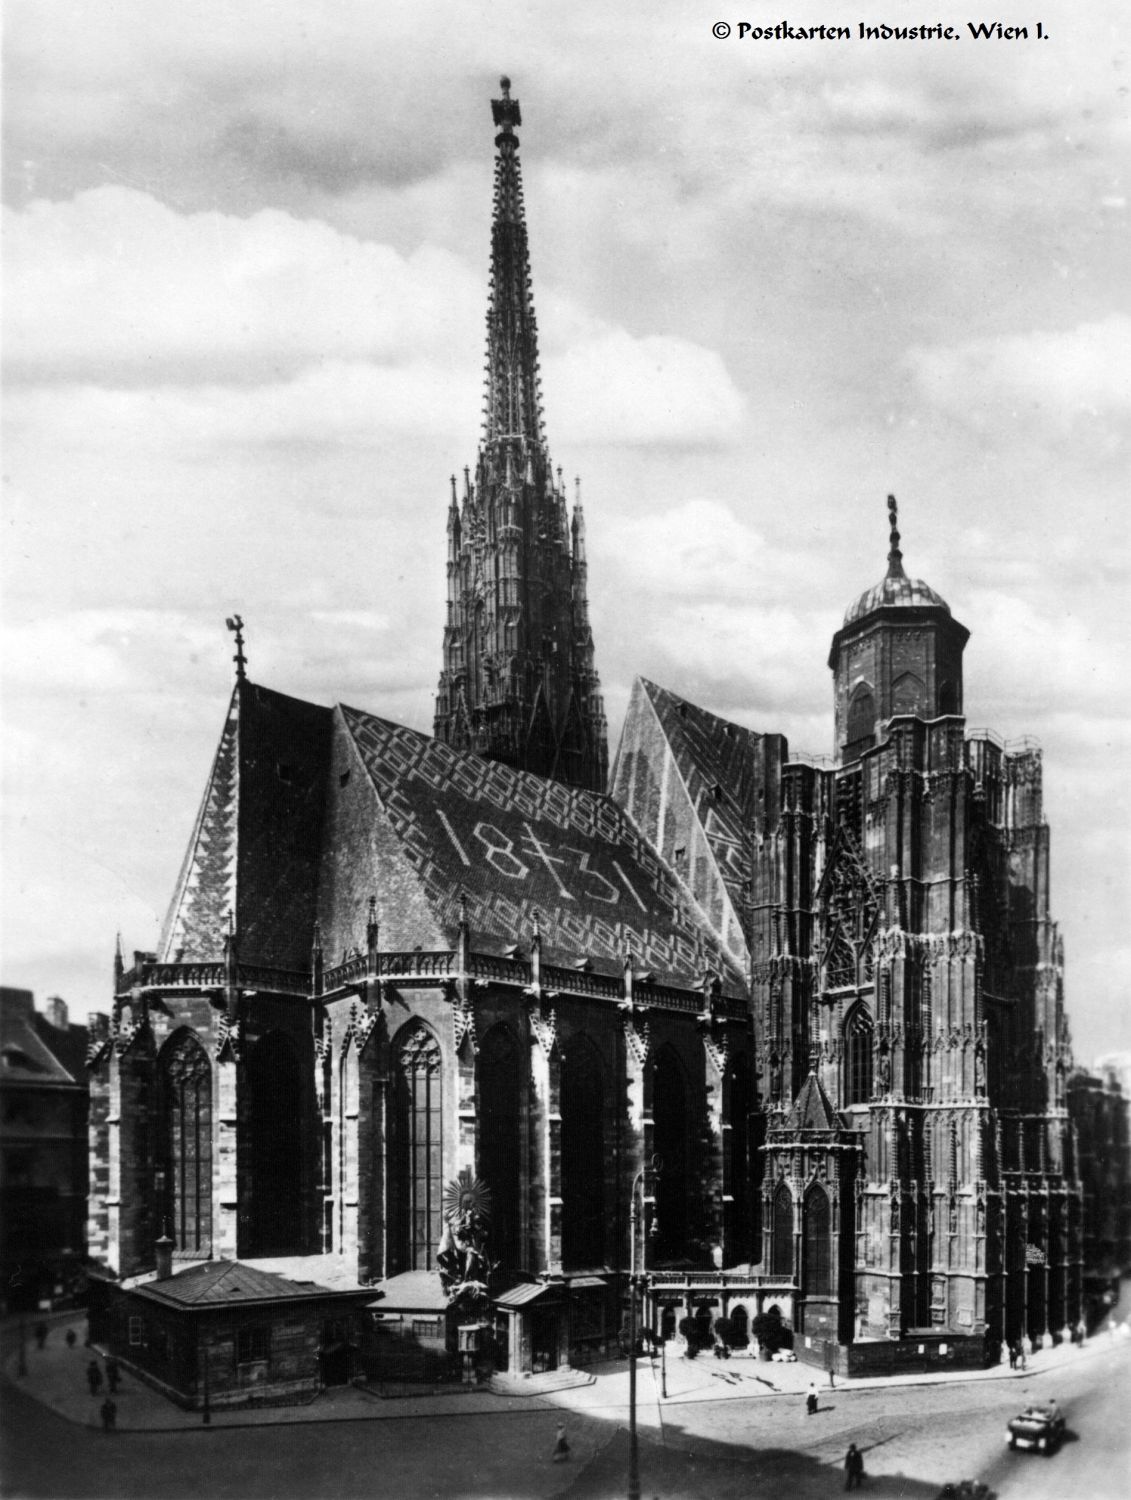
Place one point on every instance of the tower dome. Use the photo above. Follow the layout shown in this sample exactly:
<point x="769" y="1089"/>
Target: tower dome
<point x="895" y="590"/>
<point x="898" y="654"/>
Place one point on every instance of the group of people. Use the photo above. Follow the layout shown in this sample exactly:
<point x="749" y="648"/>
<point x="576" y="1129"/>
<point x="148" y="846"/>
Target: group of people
<point x="1020" y="1353"/>
<point x="109" y="1407"/>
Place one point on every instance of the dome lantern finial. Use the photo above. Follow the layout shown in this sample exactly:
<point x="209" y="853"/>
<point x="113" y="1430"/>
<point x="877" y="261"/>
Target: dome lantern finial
<point x="895" y="556"/>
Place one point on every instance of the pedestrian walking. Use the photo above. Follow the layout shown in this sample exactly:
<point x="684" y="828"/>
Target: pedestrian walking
<point x="109" y="1415"/>
<point x="853" y="1468"/>
<point x="1026" y="1350"/>
<point x="113" y="1375"/>
<point x="1081" y="1332"/>
<point x="94" y="1377"/>
<point x="811" y="1400"/>
<point x="1013" y="1356"/>
<point x="70" y="1336"/>
<point x="561" y="1445"/>
<point x="40" y="1335"/>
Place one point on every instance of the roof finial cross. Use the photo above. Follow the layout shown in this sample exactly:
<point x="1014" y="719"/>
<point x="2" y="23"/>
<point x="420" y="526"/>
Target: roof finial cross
<point x="235" y="625"/>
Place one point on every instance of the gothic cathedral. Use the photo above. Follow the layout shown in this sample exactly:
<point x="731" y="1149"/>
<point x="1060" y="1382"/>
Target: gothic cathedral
<point x="438" y="1012"/>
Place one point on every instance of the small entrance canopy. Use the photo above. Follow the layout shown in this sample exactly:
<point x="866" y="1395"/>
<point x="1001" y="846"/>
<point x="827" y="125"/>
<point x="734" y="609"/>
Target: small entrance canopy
<point x="528" y="1292"/>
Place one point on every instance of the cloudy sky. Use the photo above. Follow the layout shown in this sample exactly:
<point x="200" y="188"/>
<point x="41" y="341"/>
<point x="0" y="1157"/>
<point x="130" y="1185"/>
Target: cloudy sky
<point x="246" y="279"/>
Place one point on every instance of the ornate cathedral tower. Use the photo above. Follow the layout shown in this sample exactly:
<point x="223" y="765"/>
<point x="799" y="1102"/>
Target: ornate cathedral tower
<point x="518" y="682"/>
<point x="920" y="1183"/>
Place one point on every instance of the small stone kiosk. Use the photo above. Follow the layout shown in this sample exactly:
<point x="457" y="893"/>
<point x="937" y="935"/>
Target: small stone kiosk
<point x="537" y="1327"/>
<point x="226" y="1334"/>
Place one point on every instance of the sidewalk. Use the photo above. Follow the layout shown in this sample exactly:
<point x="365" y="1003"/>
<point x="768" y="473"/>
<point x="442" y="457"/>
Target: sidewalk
<point x="56" y="1377"/>
<point x="707" y="1379"/>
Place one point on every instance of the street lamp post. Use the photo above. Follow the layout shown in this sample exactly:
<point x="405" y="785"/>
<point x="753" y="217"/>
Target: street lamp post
<point x="633" y="1447"/>
<point x="633" y="1280"/>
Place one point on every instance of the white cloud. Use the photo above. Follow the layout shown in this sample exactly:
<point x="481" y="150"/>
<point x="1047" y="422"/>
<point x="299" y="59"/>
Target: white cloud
<point x="115" y="284"/>
<point x="652" y="390"/>
<point x="194" y="331"/>
<point x="1051" y="379"/>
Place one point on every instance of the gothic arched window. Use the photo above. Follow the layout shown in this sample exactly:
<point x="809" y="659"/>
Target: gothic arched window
<point x="858" y="1057"/>
<point x="275" y="1091"/>
<point x="583" y="1155"/>
<point x="185" y="1149"/>
<point x="908" y="694"/>
<point x="781" y="1248"/>
<point x="816" y="1232"/>
<point x="672" y="1137"/>
<point x="417" y="1149"/>
<point x="861" y="729"/>
<point x="737" y="1168"/>
<point x="500" y="1127"/>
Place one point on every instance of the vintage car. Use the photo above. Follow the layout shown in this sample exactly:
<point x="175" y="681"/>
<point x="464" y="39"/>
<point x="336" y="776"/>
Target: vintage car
<point x="1039" y="1427"/>
<point x="967" y="1489"/>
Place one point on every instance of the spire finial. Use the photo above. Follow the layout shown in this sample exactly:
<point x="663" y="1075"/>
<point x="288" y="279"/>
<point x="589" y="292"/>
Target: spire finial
<point x="235" y="625"/>
<point x="895" y="556"/>
<point x="505" y="110"/>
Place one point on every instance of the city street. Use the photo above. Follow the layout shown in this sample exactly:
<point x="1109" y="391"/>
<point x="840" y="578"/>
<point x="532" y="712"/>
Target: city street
<point x="914" y="1438"/>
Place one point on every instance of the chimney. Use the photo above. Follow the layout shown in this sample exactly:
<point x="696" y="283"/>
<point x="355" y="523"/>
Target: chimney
<point x="164" y="1253"/>
<point x="56" y="1012"/>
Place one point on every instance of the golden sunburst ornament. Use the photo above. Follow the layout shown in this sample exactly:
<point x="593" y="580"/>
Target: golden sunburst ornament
<point x="467" y="1196"/>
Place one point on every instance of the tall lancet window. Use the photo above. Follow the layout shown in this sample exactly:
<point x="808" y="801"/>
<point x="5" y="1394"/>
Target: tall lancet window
<point x="818" y="1279"/>
<point x="499" y="1097"/>
<point x="583" y="1155"/>
<point x="276" y="1098"/>
<point x="417" y="1149"/>
<point x="185" y="1149"/>
<point x="781" y="1246"/>
<point x="673" y="1143"/>
<point x="858" y="1038"/>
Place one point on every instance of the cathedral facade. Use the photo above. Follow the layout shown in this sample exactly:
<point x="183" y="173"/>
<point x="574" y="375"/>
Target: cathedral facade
<point x="781" y="1035"/>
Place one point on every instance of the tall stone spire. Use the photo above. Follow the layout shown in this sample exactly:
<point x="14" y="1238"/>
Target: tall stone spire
<point x="518" y="682"/>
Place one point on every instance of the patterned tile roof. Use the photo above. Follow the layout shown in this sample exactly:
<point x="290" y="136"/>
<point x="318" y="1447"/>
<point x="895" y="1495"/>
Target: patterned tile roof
<point x="698" y="786"/>
<point x="525" y="849"/>
<point x="716" y="761"/>
<point x="197" y="920"/>
<point x="255" y="848"/>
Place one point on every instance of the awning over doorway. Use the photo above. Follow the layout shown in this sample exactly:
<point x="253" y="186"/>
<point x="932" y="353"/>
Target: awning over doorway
<point x="530" y="1291"/>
